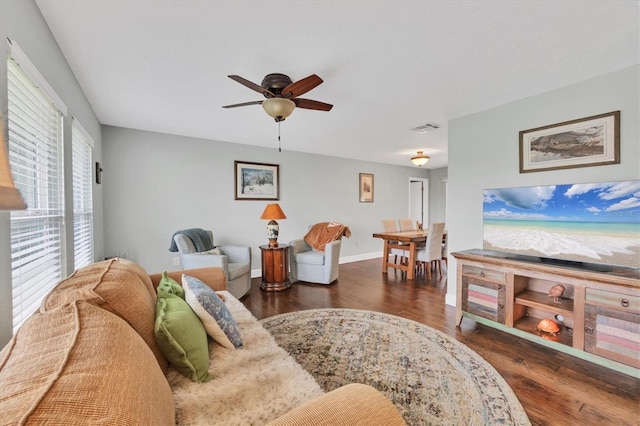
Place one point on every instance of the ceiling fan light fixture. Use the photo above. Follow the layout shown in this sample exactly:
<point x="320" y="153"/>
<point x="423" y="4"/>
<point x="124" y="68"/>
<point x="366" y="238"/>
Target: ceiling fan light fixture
<point x="278" y="108"/>
<point x="420" y="159"/>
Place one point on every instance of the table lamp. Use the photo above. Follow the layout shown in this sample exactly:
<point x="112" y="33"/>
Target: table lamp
<point x="273" y="212"/>
<point x="10" y="198"/>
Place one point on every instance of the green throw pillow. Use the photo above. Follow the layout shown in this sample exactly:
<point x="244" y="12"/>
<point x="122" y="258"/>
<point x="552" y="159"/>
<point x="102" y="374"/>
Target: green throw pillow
<point x="169" y="285"/>
<point x="181" y="337"/>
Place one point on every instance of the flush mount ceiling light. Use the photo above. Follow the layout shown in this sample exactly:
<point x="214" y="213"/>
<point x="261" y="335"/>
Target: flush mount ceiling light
<point x="420" y="159"/>
<point x="278" y="108"/>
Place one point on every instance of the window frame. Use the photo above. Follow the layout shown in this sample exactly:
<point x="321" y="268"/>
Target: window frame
<point x="82" y="175"/>
<point x="35" y="145"/>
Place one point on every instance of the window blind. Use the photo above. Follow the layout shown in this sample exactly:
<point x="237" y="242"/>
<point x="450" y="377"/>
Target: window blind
<point x="35" y="155"/>
<point x="82" y="145"/>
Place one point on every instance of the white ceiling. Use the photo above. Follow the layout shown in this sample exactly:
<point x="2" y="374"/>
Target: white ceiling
<point x="387" y="66"/>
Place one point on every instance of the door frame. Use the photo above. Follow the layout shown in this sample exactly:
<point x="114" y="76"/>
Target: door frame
<point x="425" y="198"/>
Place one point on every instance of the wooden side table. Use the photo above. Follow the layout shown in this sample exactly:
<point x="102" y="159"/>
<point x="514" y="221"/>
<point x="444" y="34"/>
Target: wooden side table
<point x="275" y="268"/>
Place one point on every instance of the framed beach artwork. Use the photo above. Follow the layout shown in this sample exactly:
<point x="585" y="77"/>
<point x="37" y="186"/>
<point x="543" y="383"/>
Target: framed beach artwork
<point x="589" y="141"/>
<point x="366" y="187"/>
<point x="257" y="181"/>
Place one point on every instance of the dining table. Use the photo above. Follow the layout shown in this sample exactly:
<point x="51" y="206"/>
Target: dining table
<point x="403" y="240"/>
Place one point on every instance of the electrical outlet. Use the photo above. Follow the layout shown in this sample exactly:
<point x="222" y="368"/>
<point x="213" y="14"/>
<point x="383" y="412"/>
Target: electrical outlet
<point x="176" y="261"/>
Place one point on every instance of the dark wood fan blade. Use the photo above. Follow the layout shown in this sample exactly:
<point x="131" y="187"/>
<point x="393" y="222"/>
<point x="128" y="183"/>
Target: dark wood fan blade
<point x="251" y="85"/>
<point x="242" y="104"/>
<point x="309" y="104"/>
<point x="301" y="87"/>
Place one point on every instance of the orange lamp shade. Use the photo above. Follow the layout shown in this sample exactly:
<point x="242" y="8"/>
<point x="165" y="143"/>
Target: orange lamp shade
<point x="273" y="211"/>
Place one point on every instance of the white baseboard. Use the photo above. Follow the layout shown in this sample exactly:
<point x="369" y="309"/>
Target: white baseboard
<point x="450" y="299"/>
<point x="359" y="257"/>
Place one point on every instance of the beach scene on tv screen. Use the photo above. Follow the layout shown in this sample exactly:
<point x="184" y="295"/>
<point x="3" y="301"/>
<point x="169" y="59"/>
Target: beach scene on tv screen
<point x="589" y="222"/>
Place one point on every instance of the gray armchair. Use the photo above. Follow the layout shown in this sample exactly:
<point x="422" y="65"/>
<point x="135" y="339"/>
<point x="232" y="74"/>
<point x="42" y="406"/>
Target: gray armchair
<point x="235" y="261"/>
<point x="312" y="265"/>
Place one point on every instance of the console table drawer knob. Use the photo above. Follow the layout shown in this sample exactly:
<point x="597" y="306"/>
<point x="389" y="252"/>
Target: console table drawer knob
<point x="612" y="299"/>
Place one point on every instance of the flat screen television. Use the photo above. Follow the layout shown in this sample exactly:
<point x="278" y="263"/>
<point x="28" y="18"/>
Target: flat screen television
<point x="579" y="224"/>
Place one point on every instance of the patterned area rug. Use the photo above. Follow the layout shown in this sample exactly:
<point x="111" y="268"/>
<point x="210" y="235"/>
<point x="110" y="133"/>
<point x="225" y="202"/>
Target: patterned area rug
<point x="430" y="377"/>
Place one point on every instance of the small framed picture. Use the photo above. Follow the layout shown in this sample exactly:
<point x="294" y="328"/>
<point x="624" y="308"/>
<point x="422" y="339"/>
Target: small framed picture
<point x="366" y="188"/>
<point x="257" y="181"/>
<point x="589" y="141"/>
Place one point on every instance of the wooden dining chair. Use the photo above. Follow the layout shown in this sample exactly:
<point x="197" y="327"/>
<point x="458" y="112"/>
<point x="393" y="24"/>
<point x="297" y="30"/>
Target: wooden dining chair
<point x="432" y="252"/>
<point x="391" y="225"/>
<point x="406" y="225"/>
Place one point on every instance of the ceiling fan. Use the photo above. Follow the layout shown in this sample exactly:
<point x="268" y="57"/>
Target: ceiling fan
<point x="282" y="94"/>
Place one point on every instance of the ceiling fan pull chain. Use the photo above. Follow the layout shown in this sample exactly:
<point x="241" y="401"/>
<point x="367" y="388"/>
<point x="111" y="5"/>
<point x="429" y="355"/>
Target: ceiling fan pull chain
<point x="279" y="148"/>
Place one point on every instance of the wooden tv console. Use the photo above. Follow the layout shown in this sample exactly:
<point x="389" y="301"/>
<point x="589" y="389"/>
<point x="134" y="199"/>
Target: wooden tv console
<point x="598" y="314"/>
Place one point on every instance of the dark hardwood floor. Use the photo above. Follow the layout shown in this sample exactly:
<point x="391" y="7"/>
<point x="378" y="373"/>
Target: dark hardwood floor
<point x="554" y="388"/>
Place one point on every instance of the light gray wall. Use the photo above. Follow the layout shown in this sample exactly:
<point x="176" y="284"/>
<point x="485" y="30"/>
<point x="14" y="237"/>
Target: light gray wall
<point x="21" y="21"/>
<point x="156" y="184"/>
<point x="484" y="149"/>
<point x="437" y="195"/>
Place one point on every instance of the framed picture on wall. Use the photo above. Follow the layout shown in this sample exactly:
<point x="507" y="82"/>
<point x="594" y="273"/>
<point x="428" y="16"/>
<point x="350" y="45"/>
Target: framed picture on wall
<point x="366" y="188"/>
<point x="589" y="141"/>
<point x="257" y="181"/>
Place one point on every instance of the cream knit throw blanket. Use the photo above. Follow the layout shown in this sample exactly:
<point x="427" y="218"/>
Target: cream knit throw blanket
<point x="250" y="386"/>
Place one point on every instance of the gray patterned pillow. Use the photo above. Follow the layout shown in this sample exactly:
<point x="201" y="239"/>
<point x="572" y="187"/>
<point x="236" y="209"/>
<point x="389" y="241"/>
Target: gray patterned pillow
<point x="212" y="311"/>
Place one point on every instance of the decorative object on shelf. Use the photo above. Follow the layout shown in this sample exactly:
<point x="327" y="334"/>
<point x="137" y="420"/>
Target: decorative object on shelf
<point x="548" y="326"/>
<point x="366" y="187"/>
<point x="257" y="181"/>
<point x="589" y="141"/>
<point x="556" y="292"/>
<point x="273" y="212"/>
<point x="10" y="197"/>
<point x="420" y="159"/>
<point x="560" y="319"/>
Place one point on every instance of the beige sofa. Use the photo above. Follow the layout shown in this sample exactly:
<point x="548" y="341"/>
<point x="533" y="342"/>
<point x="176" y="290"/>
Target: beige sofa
<point x="89" y="356"/>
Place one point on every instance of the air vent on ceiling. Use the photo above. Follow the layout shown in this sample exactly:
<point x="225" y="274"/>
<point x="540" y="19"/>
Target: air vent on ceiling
<point x="426" y="127"/>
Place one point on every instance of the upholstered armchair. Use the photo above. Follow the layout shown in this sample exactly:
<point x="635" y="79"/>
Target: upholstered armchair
<point x="314" y="266"/>
<point x="235" y="261"/>
<point x="315" y="257"/>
